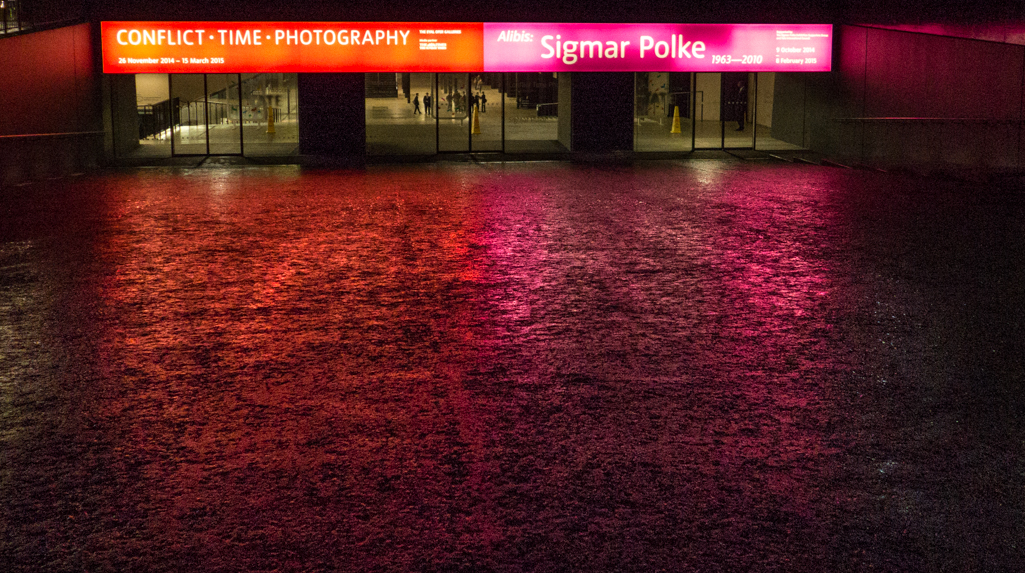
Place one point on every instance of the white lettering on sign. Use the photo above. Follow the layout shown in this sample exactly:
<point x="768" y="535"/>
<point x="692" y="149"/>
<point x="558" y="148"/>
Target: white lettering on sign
<point x="571" y="51"/>
<point x="676" y="47"/>
<point x="515" y="36"/>
<point x="240" y="37"/>
<point x="341" y="37"/>
<point x="159" y="37"/>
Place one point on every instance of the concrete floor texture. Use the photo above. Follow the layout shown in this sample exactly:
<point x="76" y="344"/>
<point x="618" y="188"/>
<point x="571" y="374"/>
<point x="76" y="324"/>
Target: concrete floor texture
<point x="699" y="365"/>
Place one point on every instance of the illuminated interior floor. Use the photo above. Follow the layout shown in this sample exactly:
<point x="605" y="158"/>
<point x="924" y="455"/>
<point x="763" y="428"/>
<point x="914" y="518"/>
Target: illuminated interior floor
<point x="393" y="129"/>
<point x="224" y="140"/>
<point x="651" y="135"/>
<point x="12" y="26"/>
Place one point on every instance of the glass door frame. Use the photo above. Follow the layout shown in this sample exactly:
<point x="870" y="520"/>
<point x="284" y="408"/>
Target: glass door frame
<point x="752" y="98"/>
<point x="206" y="118"/>
<point x="469" y="124"/>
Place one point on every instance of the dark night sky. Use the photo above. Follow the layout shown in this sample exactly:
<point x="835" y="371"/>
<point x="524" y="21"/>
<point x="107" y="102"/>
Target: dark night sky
<point x="793" y="11"/>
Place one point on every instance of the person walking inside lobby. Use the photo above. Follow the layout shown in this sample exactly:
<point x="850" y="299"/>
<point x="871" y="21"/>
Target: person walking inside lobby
<point x="741" y="103"/>
<point x="416" y="103"/>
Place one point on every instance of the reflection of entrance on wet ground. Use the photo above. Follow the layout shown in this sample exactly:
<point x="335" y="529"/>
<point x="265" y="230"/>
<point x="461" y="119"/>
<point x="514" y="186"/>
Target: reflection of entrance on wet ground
<point x="662" y="366"/>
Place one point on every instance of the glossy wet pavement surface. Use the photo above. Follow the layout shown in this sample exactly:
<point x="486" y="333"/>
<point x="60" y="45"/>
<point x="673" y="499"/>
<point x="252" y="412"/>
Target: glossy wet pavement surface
<point x="678" y="366"/>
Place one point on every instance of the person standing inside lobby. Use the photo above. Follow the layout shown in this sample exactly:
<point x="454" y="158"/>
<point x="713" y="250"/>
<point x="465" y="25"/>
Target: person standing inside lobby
<point x="741" y="104"/>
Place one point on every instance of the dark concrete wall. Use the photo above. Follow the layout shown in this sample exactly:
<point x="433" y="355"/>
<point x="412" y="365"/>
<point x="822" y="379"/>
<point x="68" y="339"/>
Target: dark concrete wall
<point x="603" y="112"/>
<point x="50" y="82"/>
<point x="51" y="86"/>
<point x="124" y="122"/>
<point x="959" y="100"/>
<point x="332" y="116"/>
<point x="47" y="13"/>
<point x="788" y="109"/>
<point x="566" y="110"/>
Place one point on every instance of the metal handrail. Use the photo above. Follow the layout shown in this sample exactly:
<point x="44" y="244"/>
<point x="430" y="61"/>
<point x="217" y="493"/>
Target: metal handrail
<point x="11" y="21"/>
<point x="17" y="18"/>
<point x="925" y="120"/>
<point x="548" y="112"/>
<point x="45" y="135"/>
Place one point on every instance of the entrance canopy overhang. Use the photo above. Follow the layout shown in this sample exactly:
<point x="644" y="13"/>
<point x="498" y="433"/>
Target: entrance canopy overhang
<point x="250" y="47"/>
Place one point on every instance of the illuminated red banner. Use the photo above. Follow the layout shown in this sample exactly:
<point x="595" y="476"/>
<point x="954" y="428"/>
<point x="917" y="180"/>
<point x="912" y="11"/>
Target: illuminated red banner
<point x="218" y="47"/>
<point x="230" y="47"/>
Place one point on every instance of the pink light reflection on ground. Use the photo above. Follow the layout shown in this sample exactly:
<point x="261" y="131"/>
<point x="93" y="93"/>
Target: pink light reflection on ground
<point x="773" y="287"/>
<point x="709" y="307"/>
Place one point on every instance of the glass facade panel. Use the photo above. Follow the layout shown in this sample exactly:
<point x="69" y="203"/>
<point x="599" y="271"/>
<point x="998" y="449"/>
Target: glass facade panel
<point x="455" y="115"/>
<point x="537" y="117"/>
<point x="515" y="113"/>
<point x="487" y="101"/>
<point x="159" y="115"/>
<point x="270" y="114"/>
<point x="780" y="112"/>
<point x="222" y="109"/>
<point x="707" y="127"/>
<point x="153" y="113"/>
<point x="205" y="114"/>
<point x="11" y="17"/>
<point x="662" y="111"/>
<point x="738" y="97"/>
<point x="188" y="114"/>
<point x="397" y="121"/>
<point x="725" y="110"/>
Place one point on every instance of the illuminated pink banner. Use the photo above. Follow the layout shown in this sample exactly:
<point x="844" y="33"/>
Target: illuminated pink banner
<point x="549" y="47"/>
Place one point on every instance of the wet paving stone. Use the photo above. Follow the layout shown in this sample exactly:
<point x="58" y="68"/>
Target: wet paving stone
<point x="668" y="366"/>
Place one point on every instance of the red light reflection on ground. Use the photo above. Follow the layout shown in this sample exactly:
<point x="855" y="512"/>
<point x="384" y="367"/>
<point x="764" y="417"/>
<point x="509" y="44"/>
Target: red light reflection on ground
<point x="536" y="364"/>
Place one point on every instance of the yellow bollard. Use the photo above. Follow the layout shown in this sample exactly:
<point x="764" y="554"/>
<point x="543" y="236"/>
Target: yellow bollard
<point x="476" y="122"/>
<point x="676" y="121"/>
<point x="270" y="120"/>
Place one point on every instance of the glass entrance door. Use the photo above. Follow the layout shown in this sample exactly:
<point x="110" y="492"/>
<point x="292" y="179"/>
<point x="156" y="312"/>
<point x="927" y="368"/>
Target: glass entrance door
<point x="467" y="113"/>
<point x="454" y="114"/>
<point x="663" y="111"/>
<point x="205" y="114"/>
<point x="188" y="101"/>
<point x="738" y="97"/>
<point x="486" y="104"/>
<point x="222" y="104"/>
<point x="725" y="110"/>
